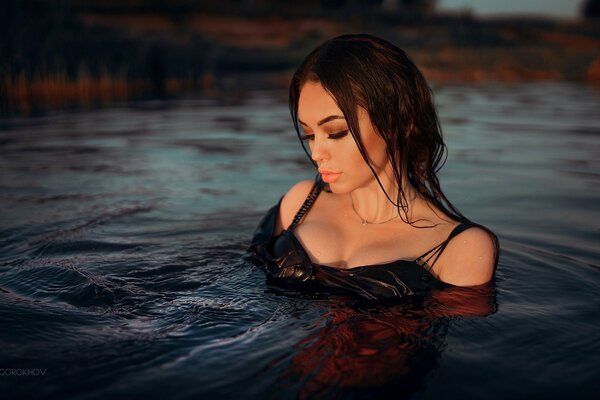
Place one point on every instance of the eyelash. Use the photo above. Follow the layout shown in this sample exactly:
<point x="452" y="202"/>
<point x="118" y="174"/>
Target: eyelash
<point x="333" y="136"/>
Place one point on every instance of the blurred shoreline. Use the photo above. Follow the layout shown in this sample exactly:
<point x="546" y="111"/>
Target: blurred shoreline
<point x="92" y="53"/>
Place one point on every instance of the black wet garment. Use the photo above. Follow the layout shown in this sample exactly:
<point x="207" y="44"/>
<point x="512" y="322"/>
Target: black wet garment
<point x="286" y="262"/>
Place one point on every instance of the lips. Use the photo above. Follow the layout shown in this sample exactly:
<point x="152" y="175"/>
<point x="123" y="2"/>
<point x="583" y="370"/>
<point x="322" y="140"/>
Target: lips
<point x="329" y="176"/>
<point x="327" y="172"/>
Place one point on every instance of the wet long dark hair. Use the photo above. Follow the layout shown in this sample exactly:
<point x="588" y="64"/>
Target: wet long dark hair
<point x="363" y="70"/>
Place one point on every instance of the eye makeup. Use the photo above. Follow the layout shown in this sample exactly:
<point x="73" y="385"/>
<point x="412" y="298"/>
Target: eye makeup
<point x="333" y="136"/>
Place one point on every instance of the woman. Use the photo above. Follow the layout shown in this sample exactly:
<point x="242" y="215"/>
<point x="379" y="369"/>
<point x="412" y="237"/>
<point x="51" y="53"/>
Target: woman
<point x="379" y="224"/>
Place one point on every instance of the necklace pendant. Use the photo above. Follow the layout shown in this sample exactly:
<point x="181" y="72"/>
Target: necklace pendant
<point x="364" y="223"/>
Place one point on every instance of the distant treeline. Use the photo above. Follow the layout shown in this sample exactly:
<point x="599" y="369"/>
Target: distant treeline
<point x="85" y="52"/>
<point x="48" y="55"/>
<point x="48" y="52"/>
<point x="261" y="8"/>
<point x="41" y="37"/>
<point x="44" y="37"/>
<point x="591" y="9"/>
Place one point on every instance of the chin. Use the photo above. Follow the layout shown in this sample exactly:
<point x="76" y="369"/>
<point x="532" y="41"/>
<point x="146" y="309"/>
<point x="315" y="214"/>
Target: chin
<point x="337" y="188"/>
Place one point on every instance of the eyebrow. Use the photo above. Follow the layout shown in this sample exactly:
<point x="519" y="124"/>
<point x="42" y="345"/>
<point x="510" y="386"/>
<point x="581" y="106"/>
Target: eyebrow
<point x="326" y="119"/>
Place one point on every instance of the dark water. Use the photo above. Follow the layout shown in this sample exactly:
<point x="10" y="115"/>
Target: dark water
<point x="121" y="269"/>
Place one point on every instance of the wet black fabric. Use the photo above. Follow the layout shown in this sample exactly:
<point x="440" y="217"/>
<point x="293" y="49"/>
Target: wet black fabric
<point x="286" y="262"/>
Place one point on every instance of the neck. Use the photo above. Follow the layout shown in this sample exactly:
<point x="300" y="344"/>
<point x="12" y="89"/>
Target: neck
<point x="371" y="203"/>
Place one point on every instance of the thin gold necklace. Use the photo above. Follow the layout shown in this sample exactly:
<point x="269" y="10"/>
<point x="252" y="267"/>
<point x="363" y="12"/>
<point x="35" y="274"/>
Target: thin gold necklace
<point x="364" y="221"/>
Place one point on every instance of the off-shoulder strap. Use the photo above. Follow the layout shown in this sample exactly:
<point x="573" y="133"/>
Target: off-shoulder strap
<point x="439" y="249"/>
<point x="308" y="202"/>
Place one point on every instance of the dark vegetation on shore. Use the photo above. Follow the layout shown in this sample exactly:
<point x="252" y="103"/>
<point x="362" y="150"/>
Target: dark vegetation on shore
<point x="73" y="53"/>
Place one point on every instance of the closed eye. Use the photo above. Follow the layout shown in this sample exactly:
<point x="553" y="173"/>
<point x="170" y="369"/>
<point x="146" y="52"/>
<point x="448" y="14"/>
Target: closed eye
<point x="333" y="136"/>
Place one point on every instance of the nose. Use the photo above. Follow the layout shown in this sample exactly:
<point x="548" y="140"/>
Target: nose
<point x="318" y="150"/>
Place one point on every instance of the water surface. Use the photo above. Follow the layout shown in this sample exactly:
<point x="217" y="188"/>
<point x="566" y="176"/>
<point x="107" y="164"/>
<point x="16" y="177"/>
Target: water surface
<point x="121" y="272"/>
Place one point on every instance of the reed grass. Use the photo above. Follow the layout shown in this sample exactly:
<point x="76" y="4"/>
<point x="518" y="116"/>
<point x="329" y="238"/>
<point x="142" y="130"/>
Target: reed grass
<point x="24" y="95"/>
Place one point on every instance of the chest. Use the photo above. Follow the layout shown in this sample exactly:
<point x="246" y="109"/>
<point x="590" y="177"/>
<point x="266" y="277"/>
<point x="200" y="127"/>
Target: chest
<point x="345" y="243"/>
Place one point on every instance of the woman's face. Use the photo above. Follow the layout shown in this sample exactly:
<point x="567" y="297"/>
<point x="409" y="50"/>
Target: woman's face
<point x="332" y="146"/>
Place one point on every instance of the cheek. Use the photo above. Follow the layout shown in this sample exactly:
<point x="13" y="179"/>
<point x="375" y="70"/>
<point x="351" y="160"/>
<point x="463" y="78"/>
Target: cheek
<point x="353" y="157"/>
<point x="376" y="151"/>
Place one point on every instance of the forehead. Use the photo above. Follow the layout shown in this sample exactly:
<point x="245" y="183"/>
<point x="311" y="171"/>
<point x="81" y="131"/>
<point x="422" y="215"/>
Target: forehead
<point x="315" y="103"/>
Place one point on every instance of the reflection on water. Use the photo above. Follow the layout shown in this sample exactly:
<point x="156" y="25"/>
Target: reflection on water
<point x="385" y="350"/>
<point x="122" y="231"/>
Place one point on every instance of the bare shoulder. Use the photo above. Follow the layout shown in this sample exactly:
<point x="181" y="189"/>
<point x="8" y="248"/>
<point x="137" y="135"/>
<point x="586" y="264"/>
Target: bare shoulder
<point x="469" y="258"/>
<point x="291" y="202"/>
